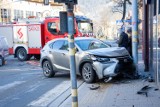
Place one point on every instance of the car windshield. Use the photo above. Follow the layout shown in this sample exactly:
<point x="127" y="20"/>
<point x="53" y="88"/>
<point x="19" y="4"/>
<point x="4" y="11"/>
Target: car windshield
<point x="90" y="44"/>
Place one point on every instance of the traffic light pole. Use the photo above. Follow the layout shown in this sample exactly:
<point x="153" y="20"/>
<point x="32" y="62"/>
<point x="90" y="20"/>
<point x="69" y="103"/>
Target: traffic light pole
<point x="135" y="32"/>
<point x="72" y="52"/>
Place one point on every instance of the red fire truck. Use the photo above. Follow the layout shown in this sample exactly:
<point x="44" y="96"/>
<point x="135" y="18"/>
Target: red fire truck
<point x="28" y="36"/>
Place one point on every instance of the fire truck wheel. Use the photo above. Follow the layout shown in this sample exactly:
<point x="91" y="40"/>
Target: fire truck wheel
<point x="47" y="69"/>
<point x="3" y="61"/>
<point x="22" y="54"/>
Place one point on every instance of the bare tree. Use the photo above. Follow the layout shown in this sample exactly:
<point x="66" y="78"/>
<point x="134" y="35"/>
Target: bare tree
<point x="102" y="13"/>
<point x="122" y="4"/>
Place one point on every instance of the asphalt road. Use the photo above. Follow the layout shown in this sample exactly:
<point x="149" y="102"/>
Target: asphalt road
<point x="22" y="84"/>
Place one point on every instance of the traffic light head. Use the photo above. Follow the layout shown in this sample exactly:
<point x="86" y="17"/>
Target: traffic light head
<point x="66" y="1"/>
<point x="46" y="2"/>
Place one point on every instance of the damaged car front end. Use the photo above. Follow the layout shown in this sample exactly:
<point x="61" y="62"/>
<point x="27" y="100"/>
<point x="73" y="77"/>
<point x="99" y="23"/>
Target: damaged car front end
<point x="110" y="62"/>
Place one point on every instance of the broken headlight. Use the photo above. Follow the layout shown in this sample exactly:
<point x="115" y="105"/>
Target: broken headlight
<point x="99" y="59"/>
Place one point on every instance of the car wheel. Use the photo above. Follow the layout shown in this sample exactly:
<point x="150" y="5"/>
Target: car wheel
<point x="22" y="54"/>
<point x="88" y="73"/>
<point x="48" y="69"/>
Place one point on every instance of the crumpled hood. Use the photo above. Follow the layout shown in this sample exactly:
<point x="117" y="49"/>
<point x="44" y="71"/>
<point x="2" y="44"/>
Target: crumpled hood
<point x="109" y="52"/>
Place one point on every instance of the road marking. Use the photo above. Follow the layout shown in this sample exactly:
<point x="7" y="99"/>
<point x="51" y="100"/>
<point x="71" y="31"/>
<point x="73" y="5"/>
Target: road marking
<point x="11" y="85"/>
<point x="25" y="69"/>
<point x="51" y="95"/>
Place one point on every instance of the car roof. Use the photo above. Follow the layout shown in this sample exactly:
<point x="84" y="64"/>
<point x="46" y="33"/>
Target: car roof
<point x="77" y="38"/>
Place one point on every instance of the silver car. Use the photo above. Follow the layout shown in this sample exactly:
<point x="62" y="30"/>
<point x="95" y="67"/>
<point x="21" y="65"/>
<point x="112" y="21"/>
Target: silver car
<point x="94" y="59"/>
<point x="4" y="50"/>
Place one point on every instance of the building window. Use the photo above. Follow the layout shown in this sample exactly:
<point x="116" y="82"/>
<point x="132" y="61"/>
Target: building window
<point x="18" y="14"/>
<point x="38" y="14"/>
<point x="6" y="15"/>
<point x="29" y="13"/>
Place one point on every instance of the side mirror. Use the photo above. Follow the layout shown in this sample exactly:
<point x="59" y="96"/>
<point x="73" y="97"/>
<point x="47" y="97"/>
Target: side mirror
<point x="76" y="49"/>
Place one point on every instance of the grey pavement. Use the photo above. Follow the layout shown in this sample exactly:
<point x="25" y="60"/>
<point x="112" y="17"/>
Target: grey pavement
<point x="114" y="94"/>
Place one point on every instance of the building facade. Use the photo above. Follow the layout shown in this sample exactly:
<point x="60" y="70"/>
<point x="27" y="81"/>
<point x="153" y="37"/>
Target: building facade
<point x="12" y="10"/>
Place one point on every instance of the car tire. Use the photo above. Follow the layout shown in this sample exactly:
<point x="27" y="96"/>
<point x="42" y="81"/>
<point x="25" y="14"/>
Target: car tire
<point x="47" y="69"/>
<point x="88" y="73"/>
<point x="22" y="54"/>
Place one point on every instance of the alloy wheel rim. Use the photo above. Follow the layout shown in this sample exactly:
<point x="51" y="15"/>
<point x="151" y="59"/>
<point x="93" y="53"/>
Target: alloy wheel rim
<point x="87" y="73"/>
<point x="46" y="69"/>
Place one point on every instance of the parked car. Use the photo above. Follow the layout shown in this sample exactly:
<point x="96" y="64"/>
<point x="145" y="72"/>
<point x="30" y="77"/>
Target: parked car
<point x="4" y="50"/>
<point x="93" y="58"/>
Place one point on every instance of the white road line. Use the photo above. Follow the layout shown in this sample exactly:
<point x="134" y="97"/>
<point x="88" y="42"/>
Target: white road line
<point x="11" y="85"/>
<point x="33" y="88"/>
<point x="51" y="95"/>
<point x="26" y="69"/>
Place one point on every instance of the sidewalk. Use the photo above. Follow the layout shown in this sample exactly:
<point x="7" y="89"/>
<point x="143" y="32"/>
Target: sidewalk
<point x="114" y="94"/>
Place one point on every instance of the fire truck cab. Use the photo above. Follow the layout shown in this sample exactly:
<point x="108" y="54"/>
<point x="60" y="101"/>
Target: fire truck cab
<point x="28" y="36"/>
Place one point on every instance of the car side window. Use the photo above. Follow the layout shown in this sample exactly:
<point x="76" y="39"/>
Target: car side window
<point x="64" y="46"/>
<point x="57" y="45"/>
<point x="83" y="44"/>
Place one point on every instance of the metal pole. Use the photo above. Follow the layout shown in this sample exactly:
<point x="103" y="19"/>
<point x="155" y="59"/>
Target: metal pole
<point x="135" y="32"/>
<point x="144" y="30"/>
<point x="157" y="74"/>
<point x="72" y="51"/>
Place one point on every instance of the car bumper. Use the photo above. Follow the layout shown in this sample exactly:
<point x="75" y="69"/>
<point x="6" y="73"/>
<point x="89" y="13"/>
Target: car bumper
<point x="105" y="69"/>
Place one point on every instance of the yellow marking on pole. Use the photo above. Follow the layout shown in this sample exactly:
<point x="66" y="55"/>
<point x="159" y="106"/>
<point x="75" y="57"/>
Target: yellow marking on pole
<point x="72" y="51"/>
<point x="74" y="104"/>
<point x="135" y="40"/>
<point x="74" y="92"/>
<point x="135" y="33"/>
<point x="70" y="40"/>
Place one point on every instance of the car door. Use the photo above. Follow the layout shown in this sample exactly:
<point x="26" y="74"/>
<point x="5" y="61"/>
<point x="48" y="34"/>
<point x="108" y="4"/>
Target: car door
<point x="60" y="55"/>
<point x="5" y="47"/>
<point x="64" y="54"/>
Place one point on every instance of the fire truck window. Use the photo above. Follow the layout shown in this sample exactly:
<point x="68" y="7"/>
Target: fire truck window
<point x="85" y="27"/>
<point x="52" y="28"/>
